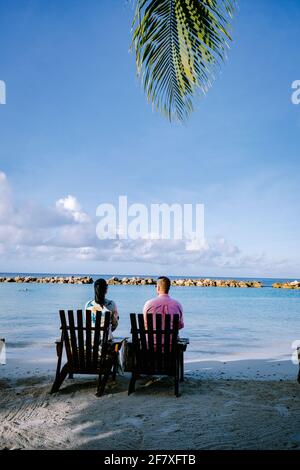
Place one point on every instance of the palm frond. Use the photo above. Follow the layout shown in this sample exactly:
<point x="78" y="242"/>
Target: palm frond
<point x="179" y="44"/>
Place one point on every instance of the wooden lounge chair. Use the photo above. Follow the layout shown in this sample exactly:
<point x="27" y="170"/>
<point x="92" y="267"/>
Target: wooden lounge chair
<point x="88" y="350"/>
<point x="156" y="351"/>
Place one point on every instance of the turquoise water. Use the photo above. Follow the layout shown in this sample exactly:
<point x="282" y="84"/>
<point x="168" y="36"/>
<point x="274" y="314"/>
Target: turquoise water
<point x="222" y="323"/>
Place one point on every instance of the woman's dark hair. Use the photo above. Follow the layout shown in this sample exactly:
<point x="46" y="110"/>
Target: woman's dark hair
<point x="100" y="287"/>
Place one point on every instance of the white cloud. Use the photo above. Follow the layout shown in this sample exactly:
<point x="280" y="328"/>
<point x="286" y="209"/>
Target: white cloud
<point x="66" y="232"/>
<point x="32" y="225"/>
<point x="70" y="207"/>
<point x="5" y="198"/>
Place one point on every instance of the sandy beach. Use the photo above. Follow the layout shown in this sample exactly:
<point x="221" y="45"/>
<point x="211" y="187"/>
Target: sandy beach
<point x="237" y="405"/>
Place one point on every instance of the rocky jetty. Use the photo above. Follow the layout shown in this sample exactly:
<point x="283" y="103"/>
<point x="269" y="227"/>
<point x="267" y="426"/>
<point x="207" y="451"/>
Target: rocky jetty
<point x="216" y="283"/>
<point x="136" y="281"/>
<point x="287" y="285"/>
<point x="187" y="282"/>
<point x="49" y="280"/>
<point x="132" y="281"/>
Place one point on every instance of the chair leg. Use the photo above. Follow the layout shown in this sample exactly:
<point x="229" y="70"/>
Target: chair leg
<point x="59" y="379"/>
<point x="131" y="387"/>
<point x="177" y="366"/>
<point x="59" y="351"/>
<point x="181" y="367"/>
<point x="71" y="375"/>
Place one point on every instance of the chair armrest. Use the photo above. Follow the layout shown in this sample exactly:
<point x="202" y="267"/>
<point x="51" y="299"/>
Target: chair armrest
<point x="119" y="339"/>
<point x="184" y="340"/>
<point x="182" y="343"/>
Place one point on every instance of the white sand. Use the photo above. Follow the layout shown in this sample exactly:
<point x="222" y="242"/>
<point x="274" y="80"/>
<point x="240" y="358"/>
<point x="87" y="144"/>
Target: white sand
<point x="218" y="409"/>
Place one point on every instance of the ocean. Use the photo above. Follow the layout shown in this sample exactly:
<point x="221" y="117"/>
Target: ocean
<point x="223" y="324"/>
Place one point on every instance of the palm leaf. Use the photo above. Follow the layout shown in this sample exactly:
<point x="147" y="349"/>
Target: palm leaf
<point x="179" y="44"/>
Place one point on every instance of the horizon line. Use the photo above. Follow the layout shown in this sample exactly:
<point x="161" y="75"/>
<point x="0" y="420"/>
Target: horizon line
<point x="140" y="275"/>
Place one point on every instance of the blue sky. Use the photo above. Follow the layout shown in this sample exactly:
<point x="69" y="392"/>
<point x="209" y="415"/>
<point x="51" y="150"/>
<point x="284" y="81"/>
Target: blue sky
<point x="77" y="123"/>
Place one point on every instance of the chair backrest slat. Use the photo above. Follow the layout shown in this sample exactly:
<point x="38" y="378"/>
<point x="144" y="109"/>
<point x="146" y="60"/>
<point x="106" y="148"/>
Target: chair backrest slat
<point x="80" y="339"/>
<point x="159" y="351"/>
<point x="65" y="335"/>
<point x="73" y="339"/>
<point x="88" y="338"/>
<point x="167" y="345"/>
<point x="96" y="340"/>
<point x="135" y="338"/>
<point x="174" y="339"/>
<point x="144" y="351"/>
<point x="104" y="338"/>
<point x="150" y="338"/>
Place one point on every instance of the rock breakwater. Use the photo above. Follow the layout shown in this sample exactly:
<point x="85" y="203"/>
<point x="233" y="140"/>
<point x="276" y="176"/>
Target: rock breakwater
<point x="48" y="280"/>
<point x="186" y="282"/>
<point x="134" y="281"/>
<point x="287" y="285"/>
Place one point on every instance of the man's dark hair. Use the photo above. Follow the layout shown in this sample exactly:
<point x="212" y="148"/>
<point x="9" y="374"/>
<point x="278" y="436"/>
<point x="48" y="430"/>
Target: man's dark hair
<point x="164" y="283"/>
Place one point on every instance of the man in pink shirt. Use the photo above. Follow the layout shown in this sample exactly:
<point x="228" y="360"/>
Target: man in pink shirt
<point x="163" y="303"/>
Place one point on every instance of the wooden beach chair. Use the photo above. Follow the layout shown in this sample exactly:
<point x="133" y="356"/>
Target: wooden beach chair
<point x="156" y="351"/>
<point x="87" y="348"/>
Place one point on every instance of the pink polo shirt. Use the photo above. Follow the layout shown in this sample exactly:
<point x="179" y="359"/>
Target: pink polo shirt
<point x="165" y="305"/>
